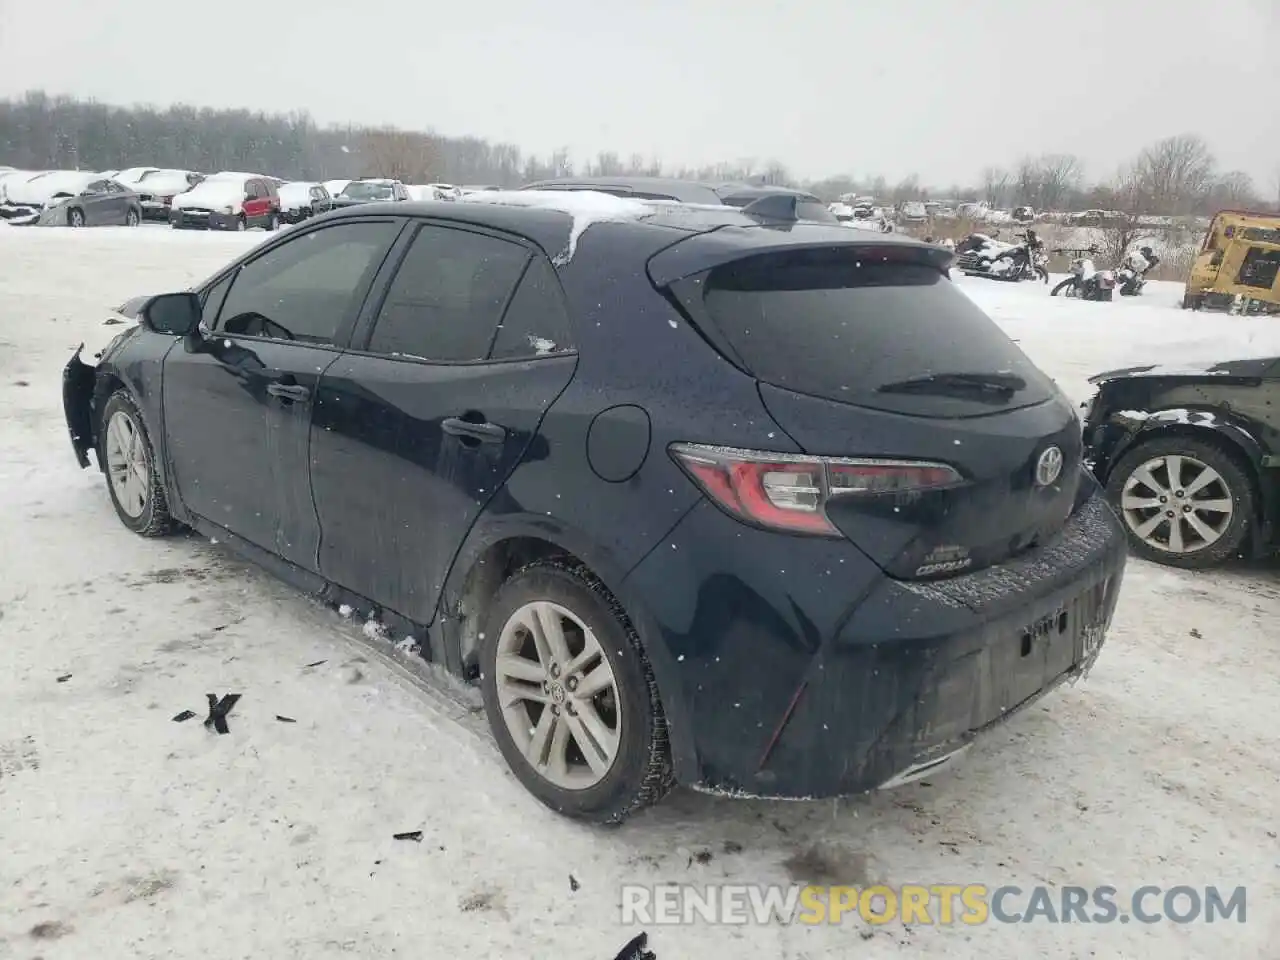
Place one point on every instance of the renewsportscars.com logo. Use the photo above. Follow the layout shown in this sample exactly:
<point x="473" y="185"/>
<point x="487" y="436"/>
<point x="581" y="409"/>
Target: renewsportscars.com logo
<point x="934" y="904"/>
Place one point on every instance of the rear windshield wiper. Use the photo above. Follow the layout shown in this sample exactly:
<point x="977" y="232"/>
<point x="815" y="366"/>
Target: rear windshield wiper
<point x="995" y="385"/>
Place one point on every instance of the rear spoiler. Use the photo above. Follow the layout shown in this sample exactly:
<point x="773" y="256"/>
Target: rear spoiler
<point x="705" y="251"/>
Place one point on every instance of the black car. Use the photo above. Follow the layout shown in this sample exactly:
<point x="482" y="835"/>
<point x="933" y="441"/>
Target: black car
<point x="370" y="190"/>
<point x="693" y="496"/>
<point x="1190" y="457"/>
<point x="303" y="200"/>
<point x="808" y="207"/>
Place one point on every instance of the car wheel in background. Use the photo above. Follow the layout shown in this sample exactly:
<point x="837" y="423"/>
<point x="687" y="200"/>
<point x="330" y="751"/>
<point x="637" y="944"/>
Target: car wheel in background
<point x="1184" y="502"/>
<point x="570" y="695"/>
<point x="75" y="217"/>
<point x="274" y="223"/>
<point x="132" y="219"/>
<point x="241" y="225"/>
<point x="126" y="454"/>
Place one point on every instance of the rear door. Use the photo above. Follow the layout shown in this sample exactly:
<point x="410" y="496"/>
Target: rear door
<point x="870" y="354"/>
<point x="257" y="204"/>
<point x="238" y="408"/>
<point x="438" y="399"/>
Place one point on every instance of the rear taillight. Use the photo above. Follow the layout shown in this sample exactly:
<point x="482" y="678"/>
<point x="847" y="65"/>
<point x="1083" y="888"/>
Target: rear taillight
<point x="790" y="492"/>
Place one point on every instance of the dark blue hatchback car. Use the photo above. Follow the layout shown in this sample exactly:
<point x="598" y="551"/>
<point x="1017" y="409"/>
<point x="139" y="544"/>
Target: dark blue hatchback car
<point x="698" y="496"/>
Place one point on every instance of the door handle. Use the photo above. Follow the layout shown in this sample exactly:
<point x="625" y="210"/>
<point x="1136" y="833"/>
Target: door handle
<point x="484" y="432"/>
<point x="289" y="392"/>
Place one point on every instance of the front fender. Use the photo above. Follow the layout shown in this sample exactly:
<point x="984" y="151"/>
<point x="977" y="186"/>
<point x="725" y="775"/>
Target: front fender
<point x="1138" y="426"/>
<point x="78" y="380"/>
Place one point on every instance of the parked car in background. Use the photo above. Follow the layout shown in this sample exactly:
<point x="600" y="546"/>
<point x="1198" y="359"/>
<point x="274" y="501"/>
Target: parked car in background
<point x="300" y="200"/>
<point x="478" y="188"/>
<point x="157" y="188"/>
<point x="12" y="178"/>
<point x="808" y="207"/>
<point x="71" y="198"/>
<point x="371" y="190"/>
<point x="228" y="201"/>
<point x="912" y="211"/>
<point x="1024" y="214"/>
<point x="334" y="187"/>
<point x="766" y="512"/>
<point x="1190" y="456"/>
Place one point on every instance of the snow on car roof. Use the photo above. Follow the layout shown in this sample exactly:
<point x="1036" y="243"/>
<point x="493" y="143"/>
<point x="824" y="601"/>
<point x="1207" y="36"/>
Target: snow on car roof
<point x="585" y="207"/>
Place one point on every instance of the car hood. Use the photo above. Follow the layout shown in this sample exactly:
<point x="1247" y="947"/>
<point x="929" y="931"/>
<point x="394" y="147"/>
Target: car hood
<point x="1246" y="367"/>
<point x="353" y="201"/>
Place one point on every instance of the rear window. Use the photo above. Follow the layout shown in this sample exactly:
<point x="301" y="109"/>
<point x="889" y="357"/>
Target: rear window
<point x="846" y="323"/>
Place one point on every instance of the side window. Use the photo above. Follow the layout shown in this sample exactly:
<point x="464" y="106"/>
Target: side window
<point x="536" y="323"/>
<point x="254" y="190"/>
<point x="447" y="296"/>
<point x="213" y="301"/>
<point x="98" y="186"/>
<point x="306" y="288"/>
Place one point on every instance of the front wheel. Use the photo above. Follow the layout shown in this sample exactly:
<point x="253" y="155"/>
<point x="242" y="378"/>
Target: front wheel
<point x="274" y="223"/>
<point x="131" y="219"/>
<point x="1068" y="288"/>
<point x="75" y="217"/>
<point x="125" y="451"/>
<point x="570" y="696"/>
<point x="1184" y="502"/>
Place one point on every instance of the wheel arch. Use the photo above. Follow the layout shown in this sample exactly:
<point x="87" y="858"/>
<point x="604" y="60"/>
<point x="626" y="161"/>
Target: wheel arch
<point x="494" y="551"/>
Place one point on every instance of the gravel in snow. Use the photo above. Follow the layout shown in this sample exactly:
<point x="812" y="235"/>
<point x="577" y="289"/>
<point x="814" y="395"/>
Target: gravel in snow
<point x="126" y="834"/>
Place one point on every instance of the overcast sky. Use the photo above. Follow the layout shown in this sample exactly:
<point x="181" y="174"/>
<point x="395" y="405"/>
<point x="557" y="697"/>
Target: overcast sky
<point x="936" y="87"/>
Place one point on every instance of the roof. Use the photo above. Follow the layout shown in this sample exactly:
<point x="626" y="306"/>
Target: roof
<point x="555" y="220"/>
<point x="684" y="191"/>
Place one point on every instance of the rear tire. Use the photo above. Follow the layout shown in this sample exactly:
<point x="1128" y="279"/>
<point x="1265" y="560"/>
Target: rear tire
<point x="515" y="666"/>
<point x="241" y="225"/>
<point x="128" y="459"/>
<point x="131" y="219"/>
<point x="75" y="217"/>
<point x="1061" y="287"/>
<point x="1233" y="484"/>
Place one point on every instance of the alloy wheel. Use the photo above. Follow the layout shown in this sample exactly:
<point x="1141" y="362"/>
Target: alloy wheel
<point x="1177" y="504"/>
<point x="558" y="695"/>
<point x="127" y="464"/>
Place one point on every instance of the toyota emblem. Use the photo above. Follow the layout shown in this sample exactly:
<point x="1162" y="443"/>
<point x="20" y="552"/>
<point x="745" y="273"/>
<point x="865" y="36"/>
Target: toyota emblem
<point x="1049" y="466"/>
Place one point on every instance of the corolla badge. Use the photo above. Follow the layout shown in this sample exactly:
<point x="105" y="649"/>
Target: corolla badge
<point x="1049" y="466"/>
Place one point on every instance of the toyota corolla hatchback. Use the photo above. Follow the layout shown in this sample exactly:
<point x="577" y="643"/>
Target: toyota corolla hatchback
<point x="697" y="496"/>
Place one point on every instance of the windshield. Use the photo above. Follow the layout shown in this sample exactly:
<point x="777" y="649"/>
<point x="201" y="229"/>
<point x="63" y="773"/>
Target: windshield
<point x="367" y="190"/>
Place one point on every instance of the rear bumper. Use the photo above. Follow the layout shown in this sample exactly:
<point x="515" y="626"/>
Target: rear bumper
<point x="809" y="699"/>
<point x="201" y="220"/>
<point x="155" y="210"/>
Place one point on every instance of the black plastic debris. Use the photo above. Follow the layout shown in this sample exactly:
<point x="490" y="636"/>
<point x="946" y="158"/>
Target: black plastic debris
<point x="183" y="716"/>
<point x="112" y="322"/>
<point x="285" y="719"/>
<point x="636" y="949"/>
<point x="414" y="835"/>
<point x="64" y="678"/>
<point x="218" y="710"/>
<point x="574" y="885"/>
<point x="316" y="664"/>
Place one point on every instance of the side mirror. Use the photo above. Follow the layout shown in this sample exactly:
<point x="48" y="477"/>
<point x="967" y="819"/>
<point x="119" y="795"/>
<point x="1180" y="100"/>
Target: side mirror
<point x="172" y="314"/>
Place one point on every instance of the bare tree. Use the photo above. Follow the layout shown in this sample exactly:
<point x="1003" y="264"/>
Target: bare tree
<point x="1126" y="195"/>
<point x="1174" y="174"/>
<point x="1060" y="174"/>
<point x="1233" y="189"/>
<point x="908" y="188"/>
<point x="399" y="154"/>
<point x="995" y="185"/>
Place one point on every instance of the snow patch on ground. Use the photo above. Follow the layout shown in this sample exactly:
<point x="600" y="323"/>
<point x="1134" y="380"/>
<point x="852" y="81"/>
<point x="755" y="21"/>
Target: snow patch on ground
<point x="120" y="826"/>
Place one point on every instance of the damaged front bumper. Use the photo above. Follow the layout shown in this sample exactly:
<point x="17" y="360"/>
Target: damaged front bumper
<point x="78" y="379"/>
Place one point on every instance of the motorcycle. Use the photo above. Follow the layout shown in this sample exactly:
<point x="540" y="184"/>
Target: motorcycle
<point x="979" y="255"/>
<point x="1129" y="282"/>
<point x="1086" y="281"/>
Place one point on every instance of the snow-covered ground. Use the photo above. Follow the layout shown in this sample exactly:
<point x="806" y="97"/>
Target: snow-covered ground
<point x="124" y="834"/>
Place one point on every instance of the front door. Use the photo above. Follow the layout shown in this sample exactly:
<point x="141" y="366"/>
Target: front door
<point x="420" y="424"/>
<point x="238" y="406"/>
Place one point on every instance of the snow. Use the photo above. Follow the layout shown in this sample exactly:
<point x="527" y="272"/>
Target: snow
<point x="584" y="206"/>
<point x="40" y="190"/>
<point x="296" y="195"/>
<point x="213" y="194"/>
<point x="149" y="838"/>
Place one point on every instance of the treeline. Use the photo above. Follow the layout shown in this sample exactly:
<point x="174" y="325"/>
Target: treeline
<point x="1176" y="176"/>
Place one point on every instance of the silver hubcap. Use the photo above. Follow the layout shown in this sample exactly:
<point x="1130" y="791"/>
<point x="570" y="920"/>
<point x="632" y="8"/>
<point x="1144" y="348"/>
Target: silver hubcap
<point x="558" y="695"/>
<point x="76" y="218"/>
<point x="1177" y="504"/>
<point x="127" y="464"/>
